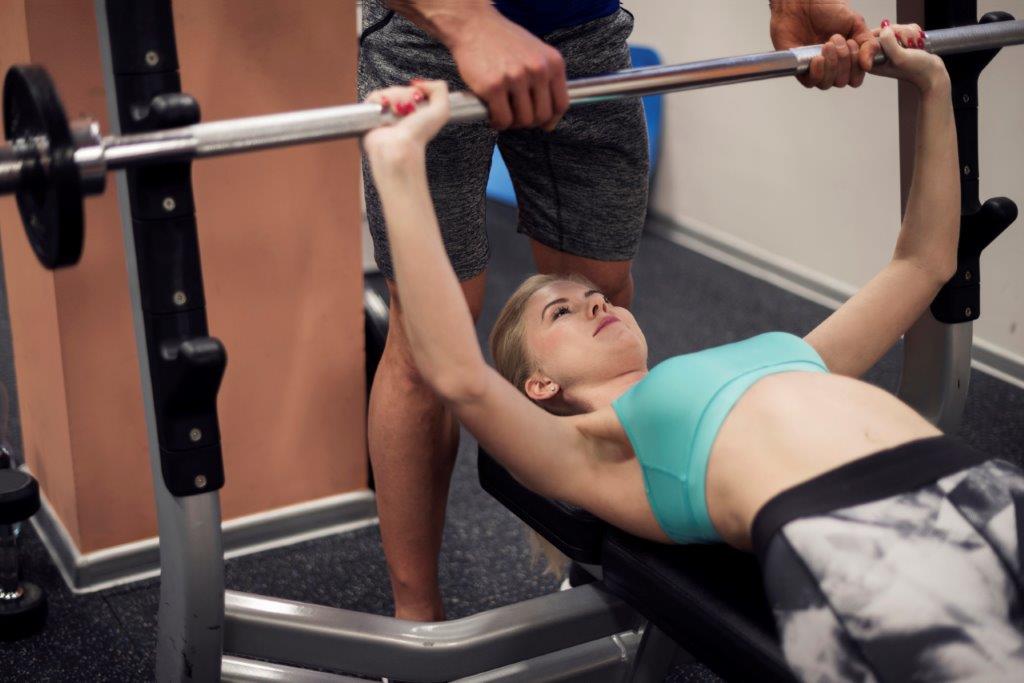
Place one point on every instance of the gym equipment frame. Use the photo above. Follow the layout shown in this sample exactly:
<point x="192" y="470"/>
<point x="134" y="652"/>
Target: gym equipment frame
<point x="584" y="633"/>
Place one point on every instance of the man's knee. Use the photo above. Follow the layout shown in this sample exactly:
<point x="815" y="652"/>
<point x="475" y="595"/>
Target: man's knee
<point x="613" y="278"/>
<point x="619" y="287"/>
<point x="397" y="361"/>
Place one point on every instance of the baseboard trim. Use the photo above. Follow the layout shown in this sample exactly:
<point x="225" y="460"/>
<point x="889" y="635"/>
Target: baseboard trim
<point x="140" y="560"/>
<point x="805" y="283"/>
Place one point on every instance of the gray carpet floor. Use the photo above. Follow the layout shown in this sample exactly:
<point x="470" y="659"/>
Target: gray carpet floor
<point x="684" y="302"/>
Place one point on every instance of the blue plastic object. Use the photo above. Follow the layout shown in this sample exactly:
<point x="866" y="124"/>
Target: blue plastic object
<point x="499" y="184"/>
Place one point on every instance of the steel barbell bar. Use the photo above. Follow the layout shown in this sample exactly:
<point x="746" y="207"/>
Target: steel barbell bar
<point x="50" y="164"/>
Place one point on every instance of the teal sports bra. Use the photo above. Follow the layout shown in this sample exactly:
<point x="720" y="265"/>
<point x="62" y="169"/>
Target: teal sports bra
<point x="673" y="415"/>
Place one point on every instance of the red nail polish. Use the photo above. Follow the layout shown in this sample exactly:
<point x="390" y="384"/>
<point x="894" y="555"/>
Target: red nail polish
<point x="885" y="23"/>
<point x="418" y="96"/>
<point x="405" y="108"/>
<point x="385" y="103"/>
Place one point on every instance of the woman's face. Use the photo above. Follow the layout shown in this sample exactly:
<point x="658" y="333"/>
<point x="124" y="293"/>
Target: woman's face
<point x="576" y="336"/>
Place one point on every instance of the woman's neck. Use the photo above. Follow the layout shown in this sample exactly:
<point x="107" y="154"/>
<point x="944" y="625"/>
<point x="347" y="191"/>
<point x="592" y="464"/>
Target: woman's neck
<point x="600" y="394"/>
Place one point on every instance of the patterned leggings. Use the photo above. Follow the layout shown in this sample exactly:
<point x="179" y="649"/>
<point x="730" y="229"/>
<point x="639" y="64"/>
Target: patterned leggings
<point x="925" y="585"/>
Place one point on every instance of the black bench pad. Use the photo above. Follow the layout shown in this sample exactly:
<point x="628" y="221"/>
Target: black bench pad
<point x="574" y="531"/>
<point x="708" y="598"/>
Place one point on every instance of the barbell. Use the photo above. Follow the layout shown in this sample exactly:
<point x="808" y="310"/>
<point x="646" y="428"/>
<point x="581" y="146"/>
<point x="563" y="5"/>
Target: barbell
<point x="50" y="164"/>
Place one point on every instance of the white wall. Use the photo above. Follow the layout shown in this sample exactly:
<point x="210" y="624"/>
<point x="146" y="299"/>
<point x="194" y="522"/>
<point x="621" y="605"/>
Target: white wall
<point x="809" y="180"/>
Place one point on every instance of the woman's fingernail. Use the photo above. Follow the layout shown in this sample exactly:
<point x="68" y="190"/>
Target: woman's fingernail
<point x="885" y="23"/>
<point x="385" y="103"/>
<point x="417" y="96"/>
<point x="416" y="80"/>
<point x="406" y="108"/>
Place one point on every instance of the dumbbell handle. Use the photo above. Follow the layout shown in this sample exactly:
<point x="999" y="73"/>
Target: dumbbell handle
<point x="233" y="136"/>
<point x="8" y="561"/>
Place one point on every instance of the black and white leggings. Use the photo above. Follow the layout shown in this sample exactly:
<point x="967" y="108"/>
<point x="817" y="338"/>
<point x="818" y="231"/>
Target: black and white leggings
<point x="920" y="585"/>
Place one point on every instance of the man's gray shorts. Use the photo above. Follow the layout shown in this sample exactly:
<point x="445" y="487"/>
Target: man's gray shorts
<point x="581" y="189"/>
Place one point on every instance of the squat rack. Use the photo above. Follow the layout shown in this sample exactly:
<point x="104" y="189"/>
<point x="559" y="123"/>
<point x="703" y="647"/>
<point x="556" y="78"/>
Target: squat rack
<point x="155" y="135"/>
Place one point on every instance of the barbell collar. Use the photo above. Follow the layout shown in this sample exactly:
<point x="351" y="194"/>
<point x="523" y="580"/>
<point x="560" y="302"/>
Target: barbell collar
<point x="89" y="155"/>
<point x="10" y="170"/>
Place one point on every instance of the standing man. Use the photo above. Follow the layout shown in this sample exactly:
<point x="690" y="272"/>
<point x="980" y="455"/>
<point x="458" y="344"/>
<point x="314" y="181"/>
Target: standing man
<point x="580" y="178"/>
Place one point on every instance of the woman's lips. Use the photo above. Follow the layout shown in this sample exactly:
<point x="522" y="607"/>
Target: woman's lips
<point x="605" y="323"/>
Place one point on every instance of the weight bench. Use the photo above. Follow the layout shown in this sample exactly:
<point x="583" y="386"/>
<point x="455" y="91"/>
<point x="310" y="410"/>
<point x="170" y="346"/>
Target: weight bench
<point x="708" y="599"/>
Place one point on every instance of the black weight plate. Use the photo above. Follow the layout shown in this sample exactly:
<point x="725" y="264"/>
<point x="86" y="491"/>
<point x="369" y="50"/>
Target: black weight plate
<point x="24" y="616"/>
<point x="50" y="194"/>
<point x="19" y="496"/>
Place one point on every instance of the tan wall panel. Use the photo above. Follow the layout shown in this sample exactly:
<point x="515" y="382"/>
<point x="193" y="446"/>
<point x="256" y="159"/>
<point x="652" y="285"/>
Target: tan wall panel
<point x="279" y="239"/>
<point x="110" y="462"/>
<point x="32" y="295"/>
<point x="279" y="233"/>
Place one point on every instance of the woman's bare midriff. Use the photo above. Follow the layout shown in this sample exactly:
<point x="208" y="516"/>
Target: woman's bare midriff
<point x="791" y="427"/>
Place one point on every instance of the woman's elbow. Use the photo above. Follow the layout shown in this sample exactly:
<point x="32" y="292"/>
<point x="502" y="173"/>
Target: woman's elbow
<point x="933" y="270"/>
<point x="942" y="271"/>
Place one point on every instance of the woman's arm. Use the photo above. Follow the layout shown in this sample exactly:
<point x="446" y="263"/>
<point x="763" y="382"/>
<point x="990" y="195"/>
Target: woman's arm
<point x="546" y="453"/>
<point x="864" y="328"/>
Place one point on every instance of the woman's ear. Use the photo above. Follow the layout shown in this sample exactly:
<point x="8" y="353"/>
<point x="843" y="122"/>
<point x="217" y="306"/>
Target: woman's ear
<point x="541" y="388"/>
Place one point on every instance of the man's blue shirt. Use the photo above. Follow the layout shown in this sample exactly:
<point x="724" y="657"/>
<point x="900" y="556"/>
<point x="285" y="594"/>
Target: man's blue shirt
<point x="541" y="17"/>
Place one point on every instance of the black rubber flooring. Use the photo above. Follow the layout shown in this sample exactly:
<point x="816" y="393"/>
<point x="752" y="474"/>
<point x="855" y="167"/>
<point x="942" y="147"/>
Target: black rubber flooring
<point x="684" y="302"/>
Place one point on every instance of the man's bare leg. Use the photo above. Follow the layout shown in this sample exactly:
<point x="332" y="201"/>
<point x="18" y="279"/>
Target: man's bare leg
<point x="413" y="440"/>
<point x="614" y="278"/>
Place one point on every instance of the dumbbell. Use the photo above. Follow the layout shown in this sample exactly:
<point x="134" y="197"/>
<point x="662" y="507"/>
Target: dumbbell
<point x="22" y="604"/>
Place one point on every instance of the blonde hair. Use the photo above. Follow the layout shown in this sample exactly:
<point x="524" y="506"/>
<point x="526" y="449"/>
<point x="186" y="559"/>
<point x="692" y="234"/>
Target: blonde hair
<point x="513" y="361"/>
<point x="508" y="336"/>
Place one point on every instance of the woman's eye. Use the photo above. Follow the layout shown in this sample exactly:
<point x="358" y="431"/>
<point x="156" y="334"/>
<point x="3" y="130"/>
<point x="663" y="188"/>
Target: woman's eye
<point x="559" y="312"/>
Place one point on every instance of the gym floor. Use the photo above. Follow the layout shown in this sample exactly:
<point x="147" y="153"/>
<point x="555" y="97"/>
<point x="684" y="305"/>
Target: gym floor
<point x="684" y="302"/>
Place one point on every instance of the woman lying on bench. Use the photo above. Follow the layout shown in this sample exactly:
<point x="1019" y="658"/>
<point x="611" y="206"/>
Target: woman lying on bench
<point x="888" y="549"/>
